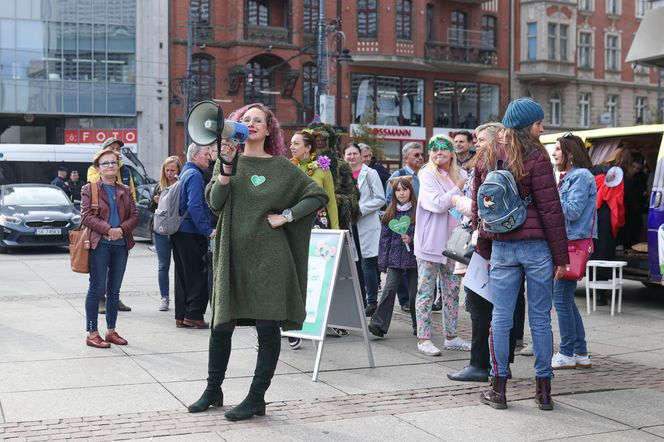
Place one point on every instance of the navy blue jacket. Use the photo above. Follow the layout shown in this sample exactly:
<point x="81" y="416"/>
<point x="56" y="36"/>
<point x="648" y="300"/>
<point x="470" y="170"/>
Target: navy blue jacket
<point x="392" y="251"/>
<point x="192" y="198"/>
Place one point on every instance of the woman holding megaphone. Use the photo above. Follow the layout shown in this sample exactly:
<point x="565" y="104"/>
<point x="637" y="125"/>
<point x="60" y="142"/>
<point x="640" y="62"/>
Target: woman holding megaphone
<point x="266" y="211"/>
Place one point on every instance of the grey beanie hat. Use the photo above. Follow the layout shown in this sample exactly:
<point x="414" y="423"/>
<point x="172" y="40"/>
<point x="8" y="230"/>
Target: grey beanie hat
<point x="521" y="113"/>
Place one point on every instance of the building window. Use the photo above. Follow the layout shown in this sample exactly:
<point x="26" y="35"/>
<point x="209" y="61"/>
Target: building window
<point x="555" y="109"/>
<point x="309" y="85"/>
<point x="310" y="10"/>
<point x="431" y="34"/>
<point x="259" y="85"/>
<point x="458" y="105"/>
<point x="532" y="41"/>
<point x="200" y="11"/>
<point x="258" y="12"/>
<point x="367" y="18"/>
<point x="391" y="101"/>
<point x="489" y="32"/>
<point x="586" y="5"/>
<point x="641" y="8"/>
<point x="612" y="53"/>
<point x="585" y="49"/>
<point x="458" y="33"/>
<point x="557" y="41"/>
<point x="641" y="108"/>
<point x="584" y="110"/>
<point x="202" y="77"/>
<point x="612" y="109"/>
<point x="613" y="7"/>
<point x="404" y="13"/>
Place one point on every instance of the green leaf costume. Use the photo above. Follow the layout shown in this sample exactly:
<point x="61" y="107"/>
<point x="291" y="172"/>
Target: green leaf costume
<point x="261" y="272"/>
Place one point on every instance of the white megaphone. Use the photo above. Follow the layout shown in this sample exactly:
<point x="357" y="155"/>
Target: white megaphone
<point x="206" y="124"/>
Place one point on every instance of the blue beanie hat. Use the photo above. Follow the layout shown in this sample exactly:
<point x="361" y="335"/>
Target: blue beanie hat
<point x="521" y="113"/>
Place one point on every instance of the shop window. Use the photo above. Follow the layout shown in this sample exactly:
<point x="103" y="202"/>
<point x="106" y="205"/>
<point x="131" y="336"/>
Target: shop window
<point x="391" y="101"/>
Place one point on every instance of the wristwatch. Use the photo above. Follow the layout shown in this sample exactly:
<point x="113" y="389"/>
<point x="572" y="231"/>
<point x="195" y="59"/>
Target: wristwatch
<point x="288" y="214"/>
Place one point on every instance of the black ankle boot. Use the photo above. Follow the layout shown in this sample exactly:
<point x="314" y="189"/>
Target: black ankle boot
<point x="218" y="354"/>
<point x="269" y="346"/>
<point x="495" y="397"/>
<point x="543" y="393"/>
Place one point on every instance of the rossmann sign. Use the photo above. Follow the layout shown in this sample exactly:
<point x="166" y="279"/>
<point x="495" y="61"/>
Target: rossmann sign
<point x="400" y="133"/>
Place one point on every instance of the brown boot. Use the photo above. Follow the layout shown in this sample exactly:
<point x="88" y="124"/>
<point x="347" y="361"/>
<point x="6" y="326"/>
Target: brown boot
<point x="496" y="396"/>
<point x="543" y="393"/>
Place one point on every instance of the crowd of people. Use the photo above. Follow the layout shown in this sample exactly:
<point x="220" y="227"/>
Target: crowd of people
<point x="253" y="194"/>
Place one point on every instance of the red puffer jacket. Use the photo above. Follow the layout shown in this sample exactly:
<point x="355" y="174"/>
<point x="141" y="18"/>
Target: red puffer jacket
<point x="98" y="224"/>
<point x="544" y="216"/>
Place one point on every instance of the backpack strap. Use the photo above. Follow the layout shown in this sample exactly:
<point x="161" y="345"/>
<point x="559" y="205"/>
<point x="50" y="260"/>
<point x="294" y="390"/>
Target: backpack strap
<point x="402" y="172"/>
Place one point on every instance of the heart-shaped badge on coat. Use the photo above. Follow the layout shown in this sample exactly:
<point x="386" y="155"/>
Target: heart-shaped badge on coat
<point x="400" y="225"/>
<point x="257" y="180"/>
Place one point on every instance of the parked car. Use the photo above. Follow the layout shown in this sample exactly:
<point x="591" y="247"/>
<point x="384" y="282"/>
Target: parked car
<point x="143" y="194"/>
<point x="35" y="215"/>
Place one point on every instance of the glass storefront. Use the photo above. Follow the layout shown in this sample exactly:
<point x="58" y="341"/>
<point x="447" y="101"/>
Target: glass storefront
<point x="388" y="101"/>
<point x="465" y="105"/>
<point x="68" y="57"/>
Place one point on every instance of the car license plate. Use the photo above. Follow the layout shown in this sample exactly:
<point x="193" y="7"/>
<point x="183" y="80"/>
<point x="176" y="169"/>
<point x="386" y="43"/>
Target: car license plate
<point x="48" y="231"/>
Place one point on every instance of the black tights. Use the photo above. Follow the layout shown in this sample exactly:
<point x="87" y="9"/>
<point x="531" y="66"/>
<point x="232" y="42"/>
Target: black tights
<point x="229" y="327"/>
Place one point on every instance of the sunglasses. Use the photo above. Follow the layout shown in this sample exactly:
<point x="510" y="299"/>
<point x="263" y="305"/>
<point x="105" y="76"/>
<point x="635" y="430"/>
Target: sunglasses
<point x="418" y="155"/>
<point x="568" y="135"/>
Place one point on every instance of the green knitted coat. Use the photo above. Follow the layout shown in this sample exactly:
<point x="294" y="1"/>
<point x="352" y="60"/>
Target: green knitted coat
<point x="261" y="272"/>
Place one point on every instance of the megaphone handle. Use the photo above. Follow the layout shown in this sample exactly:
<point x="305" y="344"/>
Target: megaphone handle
<point x="226" y="163"/>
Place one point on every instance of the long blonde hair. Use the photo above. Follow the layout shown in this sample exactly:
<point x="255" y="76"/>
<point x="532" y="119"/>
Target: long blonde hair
<point x="488" y="156"/>
<point x="455" y="170"/>
<point x="163" y="181"/>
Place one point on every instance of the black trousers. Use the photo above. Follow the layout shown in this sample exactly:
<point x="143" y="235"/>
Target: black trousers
<point x="480" y="315"/>
<point x="191" y="274"/>
<point x="383" y="315"/>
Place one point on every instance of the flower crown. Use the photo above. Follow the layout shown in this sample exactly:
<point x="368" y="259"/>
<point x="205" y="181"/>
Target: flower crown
<point x="440" y="143"/>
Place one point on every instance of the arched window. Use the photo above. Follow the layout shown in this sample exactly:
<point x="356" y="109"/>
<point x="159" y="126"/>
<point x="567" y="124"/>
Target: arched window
<point x="309" y="84"/>
<point x="458" y="26"/>
<point x="202" y="77"/>
<point x="200" y="11"/>
<point x="258" y="12"/>
<point x="555" y="109"/>
<point x="404" y="19"/>
<point x="259" y="86"/>
<point x="489" y="32"/>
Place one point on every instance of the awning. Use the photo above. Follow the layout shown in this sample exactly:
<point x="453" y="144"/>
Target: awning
<point x="648" y="45"/>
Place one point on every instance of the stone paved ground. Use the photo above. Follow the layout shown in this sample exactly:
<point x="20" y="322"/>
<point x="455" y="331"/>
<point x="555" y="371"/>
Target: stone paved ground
<point x="608" y="374"/>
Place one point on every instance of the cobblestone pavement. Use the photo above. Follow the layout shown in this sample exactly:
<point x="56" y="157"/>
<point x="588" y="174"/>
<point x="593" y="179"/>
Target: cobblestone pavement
<point x="608" y="374"/>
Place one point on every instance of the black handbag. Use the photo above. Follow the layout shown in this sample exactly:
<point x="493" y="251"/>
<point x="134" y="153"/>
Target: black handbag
<point x="461" y="244"/>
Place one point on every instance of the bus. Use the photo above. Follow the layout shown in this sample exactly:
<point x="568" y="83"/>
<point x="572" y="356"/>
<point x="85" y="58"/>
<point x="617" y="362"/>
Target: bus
<point x="642" y="262"/>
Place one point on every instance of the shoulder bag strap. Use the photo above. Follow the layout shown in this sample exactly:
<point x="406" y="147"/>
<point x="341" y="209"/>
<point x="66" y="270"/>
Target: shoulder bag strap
<point x="95" y="198"/>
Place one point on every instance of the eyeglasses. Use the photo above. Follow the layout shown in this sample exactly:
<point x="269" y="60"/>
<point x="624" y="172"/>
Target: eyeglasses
<point x="568" y="135"/>
<point x="257" y="120"/>
<point x="109" y="164"/>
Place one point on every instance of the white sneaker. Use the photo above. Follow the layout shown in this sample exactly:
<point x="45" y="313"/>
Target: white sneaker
<point x="428" y="348"/>
<point x="457" y="344"/>
<point x="527" y="350"/>
<point x="560" y="361"/>
<point x="583" y="361"/>
<point x="164" y="305"/>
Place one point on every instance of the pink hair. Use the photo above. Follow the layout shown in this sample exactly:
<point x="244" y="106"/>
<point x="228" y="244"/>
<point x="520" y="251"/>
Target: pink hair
<point x="274" y="144"/>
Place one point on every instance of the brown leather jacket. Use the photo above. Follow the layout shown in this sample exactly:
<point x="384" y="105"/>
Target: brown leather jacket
<point x="98" y="224"/>
<point x="544" y="215"/>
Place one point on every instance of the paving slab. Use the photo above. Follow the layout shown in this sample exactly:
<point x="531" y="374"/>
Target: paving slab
<point x="196" y="437"/>
<point x="616" y="436"/>
<point x="191" y="366"/>
<point x="636" y="408"/>
<point x="379" y="429"/>
<point x="522" y="421"/>
<point x="71" y="373"/>
<point x="95" y="401"/>
<point x="284" y="387"/>
<point x="657" y="430"/>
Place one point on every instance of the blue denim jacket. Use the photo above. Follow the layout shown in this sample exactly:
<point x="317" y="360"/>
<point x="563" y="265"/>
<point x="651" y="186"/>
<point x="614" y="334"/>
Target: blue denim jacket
<point x="578" y="194"/>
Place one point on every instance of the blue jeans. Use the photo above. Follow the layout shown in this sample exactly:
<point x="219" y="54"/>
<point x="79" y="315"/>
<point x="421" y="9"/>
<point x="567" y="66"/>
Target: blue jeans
<point x="107" y="267"/>
<point x="509" y="261"/>
<point x="162" y="244"/>
<point x="370" y="270"/>
<point x="572" y="333"/>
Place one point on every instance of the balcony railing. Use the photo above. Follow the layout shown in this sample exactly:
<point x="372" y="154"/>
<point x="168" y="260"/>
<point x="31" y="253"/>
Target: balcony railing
<point x="277" y="34"/>
<point x="466" y="47"/>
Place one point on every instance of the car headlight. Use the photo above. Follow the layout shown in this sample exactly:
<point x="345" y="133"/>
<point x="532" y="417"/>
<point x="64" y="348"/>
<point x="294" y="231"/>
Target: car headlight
<point x="76" y="219"/>
<point x="6" y="220"/>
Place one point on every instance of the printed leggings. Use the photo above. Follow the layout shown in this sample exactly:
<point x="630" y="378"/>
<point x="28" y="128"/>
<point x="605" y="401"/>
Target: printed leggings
<point x="428" y="272"/>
